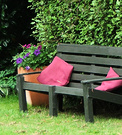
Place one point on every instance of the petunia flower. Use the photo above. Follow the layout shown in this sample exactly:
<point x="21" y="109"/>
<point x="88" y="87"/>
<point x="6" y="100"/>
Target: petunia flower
<point x="24" y="45"/>
<point x="19" y="60"/>
<point x="26" y="55"/>
<point x="37" y="52"/>
<point x="39" y="47"/>
<point x="27" y="67"/>
<point x="29" y="45"/>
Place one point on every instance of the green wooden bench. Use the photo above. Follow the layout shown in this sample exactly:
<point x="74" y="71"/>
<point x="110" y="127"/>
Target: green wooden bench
<point x="91" y="65"/>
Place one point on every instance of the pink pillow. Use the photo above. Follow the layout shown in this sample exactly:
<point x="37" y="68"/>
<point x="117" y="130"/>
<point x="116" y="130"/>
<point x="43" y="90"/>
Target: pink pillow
<point x="57" y="73"/>
<point x="110" y="85"/>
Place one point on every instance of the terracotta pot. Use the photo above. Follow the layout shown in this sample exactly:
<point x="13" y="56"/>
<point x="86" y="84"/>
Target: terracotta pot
<point x="34" y="98"/>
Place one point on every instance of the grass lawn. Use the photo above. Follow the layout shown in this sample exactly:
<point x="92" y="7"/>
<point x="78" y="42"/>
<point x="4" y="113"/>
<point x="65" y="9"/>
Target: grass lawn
<point x="38" y="122"/>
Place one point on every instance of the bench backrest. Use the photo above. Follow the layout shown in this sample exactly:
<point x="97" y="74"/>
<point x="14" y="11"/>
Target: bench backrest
<point x="90" y="62"/>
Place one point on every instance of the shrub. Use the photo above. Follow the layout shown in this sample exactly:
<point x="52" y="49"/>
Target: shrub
<point x="33" y="56"/>
<point x="7" y="77"/>
<point x="77" y="21"/>
<point x="14" y="29"/>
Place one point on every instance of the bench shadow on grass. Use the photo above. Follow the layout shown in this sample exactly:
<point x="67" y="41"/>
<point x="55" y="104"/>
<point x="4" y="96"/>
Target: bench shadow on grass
<point x="101" y="108"/>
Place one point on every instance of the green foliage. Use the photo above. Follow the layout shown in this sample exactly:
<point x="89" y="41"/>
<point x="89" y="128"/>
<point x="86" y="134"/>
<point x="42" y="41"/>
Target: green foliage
<point x="7" y="77"/>
<point x="77" y="21"/>
<point x="33" y="56"/>
<point x="14" y="28"/>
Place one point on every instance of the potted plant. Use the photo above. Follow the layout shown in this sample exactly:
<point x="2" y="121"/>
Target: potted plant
<point x="33" y="58"/>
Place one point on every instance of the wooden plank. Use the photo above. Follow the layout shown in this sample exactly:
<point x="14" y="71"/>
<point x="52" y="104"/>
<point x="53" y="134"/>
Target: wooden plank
<point x="29" y="73"/>
<point x="94" y="69"/>
<point x="89" y="68"/>
<point x="106" y="96"/>
<point x="88" y="103"/>
<point x="52" y="102"/>
<point x="100" y="80"/>
<point x="90" y="60"/>
<point x="79" y="77"/>
<point x="69" y="91"/>
<point x="75" y="85"/>
<point x="98" y="50"/>
<point x="21" y="93"/>
<point x="78" y="85"/>
<point x="35" y="87"/>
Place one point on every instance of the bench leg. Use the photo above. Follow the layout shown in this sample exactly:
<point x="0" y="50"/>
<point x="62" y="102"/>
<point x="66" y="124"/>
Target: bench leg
<point x="53" y="109"/>
<point x="21" y="94"/>
<point x="88" y="103"/>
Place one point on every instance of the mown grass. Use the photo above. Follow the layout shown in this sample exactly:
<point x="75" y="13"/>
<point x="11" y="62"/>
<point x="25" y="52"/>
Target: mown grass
<point x="38" y="122"/>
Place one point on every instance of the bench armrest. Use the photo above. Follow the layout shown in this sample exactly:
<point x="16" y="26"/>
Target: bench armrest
<point x="100" y="80"/>
<point x="29" y="73"/>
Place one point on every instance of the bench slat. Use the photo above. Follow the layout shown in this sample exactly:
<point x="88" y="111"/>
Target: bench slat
<point x="69" y="91"/>
<point x="94" y="49"/>
<point x="79" y="77"/>
<point x="94" y="69"/>
<point x="35" y="87"/>
<point x="75" y="85"/>
<point x="106" y="96"/>
<point x="90" y="60"/>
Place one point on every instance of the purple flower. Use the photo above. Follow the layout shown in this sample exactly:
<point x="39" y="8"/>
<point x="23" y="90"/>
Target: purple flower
<point x="26" y="55"/>
<point x="39" y="47"/>
<point x="37" y="52"/>
<point x="19" y="60"/>
<point x="27" y="67"/>
<point x="29" y="45"/>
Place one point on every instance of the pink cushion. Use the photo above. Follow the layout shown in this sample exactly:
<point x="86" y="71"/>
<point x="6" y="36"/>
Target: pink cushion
<point x="110" y="85"/>
<point x="57" y="73"/>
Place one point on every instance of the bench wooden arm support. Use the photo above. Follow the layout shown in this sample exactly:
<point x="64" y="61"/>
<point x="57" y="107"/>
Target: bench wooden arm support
<point x="28" y="73"/>
<point x="21" y="94"/>
<point x="100" y="80"/>
<point x="89" y="94"/>
<point x="21" y="91"/>
<point x="88" y="103"/>
<point x="22" y="86"/>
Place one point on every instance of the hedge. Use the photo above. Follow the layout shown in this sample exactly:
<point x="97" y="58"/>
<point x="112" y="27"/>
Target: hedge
<point x="77" y="21"/>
